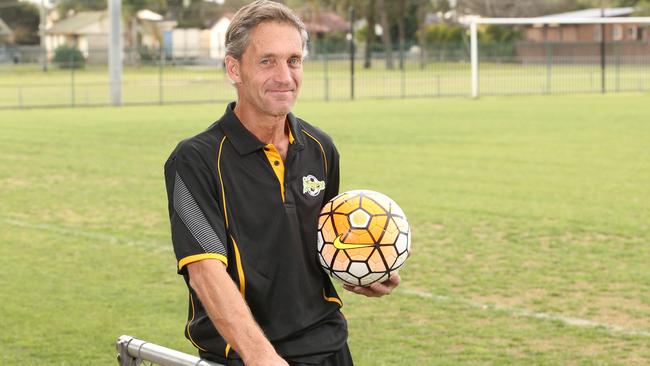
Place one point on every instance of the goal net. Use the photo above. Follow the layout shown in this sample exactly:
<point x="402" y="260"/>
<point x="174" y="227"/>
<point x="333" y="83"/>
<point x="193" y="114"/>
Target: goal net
<point x="135" y="352"/>
<point x="556" y="55"/>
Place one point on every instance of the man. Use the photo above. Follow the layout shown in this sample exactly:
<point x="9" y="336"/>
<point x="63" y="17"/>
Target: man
<point x="244" y="232"/>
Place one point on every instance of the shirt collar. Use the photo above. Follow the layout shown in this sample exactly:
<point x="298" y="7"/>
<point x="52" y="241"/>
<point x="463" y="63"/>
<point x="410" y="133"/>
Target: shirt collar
<point x="244" y="141"/>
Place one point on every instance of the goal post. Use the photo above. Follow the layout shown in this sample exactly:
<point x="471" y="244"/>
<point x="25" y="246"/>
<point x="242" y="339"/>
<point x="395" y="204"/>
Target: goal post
<point x="134" y="352"/>
<point x="475" y="22"/>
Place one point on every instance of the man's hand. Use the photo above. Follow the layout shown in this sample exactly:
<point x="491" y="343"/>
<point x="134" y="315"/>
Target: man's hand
<point x="377" y="289"/>
<point x="268" y="360"/>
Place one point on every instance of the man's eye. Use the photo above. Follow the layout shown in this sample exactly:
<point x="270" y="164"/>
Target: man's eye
<point x="265" y="61"/>
<point x="295" y="61"/>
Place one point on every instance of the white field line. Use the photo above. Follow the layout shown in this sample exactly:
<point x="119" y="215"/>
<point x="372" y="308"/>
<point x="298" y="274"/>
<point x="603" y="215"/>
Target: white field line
<point x="164" y="247"/>
<point x="523" y="313"/>
<point x="97" y="236"/>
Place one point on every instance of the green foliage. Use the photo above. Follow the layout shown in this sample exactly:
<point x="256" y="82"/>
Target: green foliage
<point x="334" y="41"/>
<point x="23" y="19"/>
<point x="65" y="6"/>
<point x="148" y="54"/>
<point x="128" y="6"/>
<point x="494" y="33"/>
<point x="69" y="57"/>
<point x="443" y="33"/>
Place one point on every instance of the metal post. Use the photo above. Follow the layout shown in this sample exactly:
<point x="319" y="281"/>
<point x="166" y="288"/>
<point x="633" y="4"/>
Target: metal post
<point x="41" y="28"/>
<point x="72" y="67"/>
<point x="132" y="351"/>
<point x="549" y="62"/>
<point x="351" y="35"/>
<point x="160" y="75"/>
<point x="403" y="81"/>
<point x="602" y="53"/>
<point x="474" y="58"/>
<point x="618" y="68"/>
<point x="115" y="51"/>
<point x="326" y="78"/>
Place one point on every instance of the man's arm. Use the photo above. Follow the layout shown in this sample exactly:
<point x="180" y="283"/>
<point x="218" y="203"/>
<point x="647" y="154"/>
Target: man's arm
<point x="230" y="313"/>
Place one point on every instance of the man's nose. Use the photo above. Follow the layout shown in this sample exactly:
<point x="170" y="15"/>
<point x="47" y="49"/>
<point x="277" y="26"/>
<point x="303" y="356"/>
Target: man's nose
<point x="282" y="73"/>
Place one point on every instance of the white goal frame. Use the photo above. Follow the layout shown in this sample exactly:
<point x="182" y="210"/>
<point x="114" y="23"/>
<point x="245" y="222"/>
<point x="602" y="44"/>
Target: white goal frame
<point x="473" y="23"/>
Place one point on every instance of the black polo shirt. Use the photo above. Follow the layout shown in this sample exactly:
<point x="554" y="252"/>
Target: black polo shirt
<point x="232" y="198"/>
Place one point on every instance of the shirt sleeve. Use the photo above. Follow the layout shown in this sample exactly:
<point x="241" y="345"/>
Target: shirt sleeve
<point x="197" y="224"/>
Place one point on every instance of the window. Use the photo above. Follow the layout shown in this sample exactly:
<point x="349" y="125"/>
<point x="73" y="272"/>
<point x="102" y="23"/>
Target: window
<point x="632" y="33"/>
<point x="617" y="33"/>
<point x="597" y="32"/>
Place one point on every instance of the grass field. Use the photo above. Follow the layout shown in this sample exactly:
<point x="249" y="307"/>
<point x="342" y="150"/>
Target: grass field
<point x="530" y="219"/>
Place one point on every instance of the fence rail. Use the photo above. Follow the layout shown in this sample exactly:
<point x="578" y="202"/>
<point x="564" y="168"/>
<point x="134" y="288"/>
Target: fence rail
<point x="133" y="352"/>
<point x="155" y="77"/>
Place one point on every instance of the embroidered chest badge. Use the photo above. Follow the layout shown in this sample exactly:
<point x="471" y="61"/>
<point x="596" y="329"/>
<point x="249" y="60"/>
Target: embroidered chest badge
<point x="312" y="185"/>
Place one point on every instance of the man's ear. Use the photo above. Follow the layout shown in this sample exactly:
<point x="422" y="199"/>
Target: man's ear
<point x="233" y="69"/>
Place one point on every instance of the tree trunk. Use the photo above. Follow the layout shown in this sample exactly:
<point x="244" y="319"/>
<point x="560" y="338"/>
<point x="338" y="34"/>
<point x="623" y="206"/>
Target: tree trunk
<point x="400" y="31"/>
<point x="385" y="34"/>
<point x="422" y="13"/>
<point x="370" y="34"/>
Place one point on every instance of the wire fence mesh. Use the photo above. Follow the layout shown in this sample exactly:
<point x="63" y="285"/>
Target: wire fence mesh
<point x="160" y="77"/>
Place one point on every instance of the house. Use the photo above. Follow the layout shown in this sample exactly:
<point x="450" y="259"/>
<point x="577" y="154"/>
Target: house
<point x="217" y="36"/>
<point x="209" y="44"/>
<point x="321" y="22"/>
<point x="87" y="30"/>
<point x="582" y="42"/>
<point x="151" y="28"/>
<point x="6" y="34"/>
<point x="184" y="43"/>
<point x="568" y="33"/>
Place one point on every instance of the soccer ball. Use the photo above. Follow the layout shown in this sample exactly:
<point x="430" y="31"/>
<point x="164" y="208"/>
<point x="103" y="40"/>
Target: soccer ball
<point x="363" y="237"/>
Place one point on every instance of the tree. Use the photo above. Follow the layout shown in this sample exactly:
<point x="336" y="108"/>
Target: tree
<point x="401" y="31"/>
<point x="370" y="34"/>
<point x="385" y="34"/>
<point x="65" y="6"/>
<point x="23" y="19"/>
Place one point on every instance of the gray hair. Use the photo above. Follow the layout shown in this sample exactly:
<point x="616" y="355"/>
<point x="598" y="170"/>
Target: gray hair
<point x="250" y="16"/>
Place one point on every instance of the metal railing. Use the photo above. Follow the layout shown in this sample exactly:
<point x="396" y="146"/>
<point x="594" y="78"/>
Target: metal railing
<point x="158" y="77"/>
<point x="134" y="352"/>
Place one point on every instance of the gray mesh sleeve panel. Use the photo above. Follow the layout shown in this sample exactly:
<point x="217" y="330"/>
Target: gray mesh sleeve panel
<point x="188" y="210"/>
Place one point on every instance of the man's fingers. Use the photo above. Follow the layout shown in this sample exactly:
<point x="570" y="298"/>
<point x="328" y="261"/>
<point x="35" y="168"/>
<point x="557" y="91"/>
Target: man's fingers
<point x="393" y="281"/>
<point x="361" y="290"/>
<point x="376" y="289"/>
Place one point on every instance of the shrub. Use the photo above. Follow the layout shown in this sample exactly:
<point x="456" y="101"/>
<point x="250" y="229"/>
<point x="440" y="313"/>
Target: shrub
<point x="68" y="57"/>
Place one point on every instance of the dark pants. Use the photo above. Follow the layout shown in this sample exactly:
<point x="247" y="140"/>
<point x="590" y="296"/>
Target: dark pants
<point x="340" y="358"/>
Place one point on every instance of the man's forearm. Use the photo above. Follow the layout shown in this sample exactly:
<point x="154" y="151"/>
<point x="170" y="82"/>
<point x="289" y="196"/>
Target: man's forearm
<point x="230" y="313"/>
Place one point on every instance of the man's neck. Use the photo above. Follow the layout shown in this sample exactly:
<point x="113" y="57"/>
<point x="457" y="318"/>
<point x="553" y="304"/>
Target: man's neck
<point x="268" y="129"/>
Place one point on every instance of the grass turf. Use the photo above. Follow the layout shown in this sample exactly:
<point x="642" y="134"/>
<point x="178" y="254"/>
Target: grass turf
<point x="526" y="212"/>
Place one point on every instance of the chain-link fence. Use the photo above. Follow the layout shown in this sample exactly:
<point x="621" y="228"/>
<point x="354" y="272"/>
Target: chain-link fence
<point x="157" y="76"/>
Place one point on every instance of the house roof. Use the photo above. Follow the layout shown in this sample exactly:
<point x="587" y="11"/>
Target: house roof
<point x="77" y="22"/>
<point x="4" y="29"/>
<point x="592" y="13"/>
<point x="146" y="14"/>
<point x="323" y="22"/>
<point x="227" y="15"/>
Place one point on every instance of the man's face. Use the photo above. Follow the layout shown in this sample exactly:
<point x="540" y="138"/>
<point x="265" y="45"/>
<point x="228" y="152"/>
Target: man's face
<point x="269" y="74"/>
